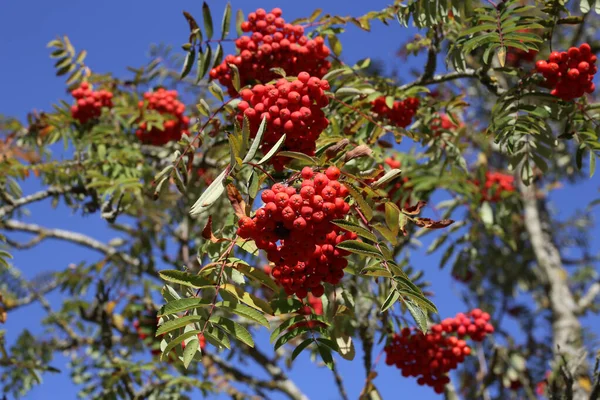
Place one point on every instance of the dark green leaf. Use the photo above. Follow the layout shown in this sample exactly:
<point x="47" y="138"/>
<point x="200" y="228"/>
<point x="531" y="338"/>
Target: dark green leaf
<point x="177" y="323"/>
<point x="356" y="247"/>
<point x="245" y="312"/>
<point x="226" y="21"/>
<point x="190" y="350"/>
<point x="273" y="151"/>
<point x="418" y="315"/>
<point x="234" y="329"/>
<point x="301" y="347"/>
<point x="184" y="278"/>
<point x="188" y="63"/>
<point x="208" y="21"/>
<point x="177" y="306"/>
<point x="352" y="227"/>
<point x="390" y="300"/>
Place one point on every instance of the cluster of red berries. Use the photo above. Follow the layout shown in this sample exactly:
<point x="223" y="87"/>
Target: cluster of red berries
<point x="429" y="357"/>
<point x="164" y="102"/>
<point x="516" y="57"/>
<point x="569" y="73"/>
<point x="495" y="184"/>
<point x="401" y="113"/>
<point x="89" y="103"/>
<point x="293" y="108"/>
<point x="294" y="228"/>
<point x="442" y="122"/>
<point x="272" y="44"/>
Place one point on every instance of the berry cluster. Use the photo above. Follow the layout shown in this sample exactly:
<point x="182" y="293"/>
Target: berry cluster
<point x="430" y="357"/>
<point x="516" y="57"/>
<point x="293" y="108"/>
<point x="442" y="122"/>
<point x="495" y="184"/>
<point x="401" y="113"/>
<point x="272" y="44"/>
<point x="294" y="228"/>
<point x="89" y="103"/>
<point x="164" y="102"/>
<point x="569" y="73"/>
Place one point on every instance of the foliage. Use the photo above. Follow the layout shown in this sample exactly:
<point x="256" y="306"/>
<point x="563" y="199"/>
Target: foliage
<point x="182" y="264"/>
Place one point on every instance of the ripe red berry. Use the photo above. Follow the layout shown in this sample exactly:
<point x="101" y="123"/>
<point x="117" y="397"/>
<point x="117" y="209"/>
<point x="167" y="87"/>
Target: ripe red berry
<point x="569" y="74"/>
<point x="273" y="44"/>
<point x="164" y="102"/>
<point x="89" y="104"/>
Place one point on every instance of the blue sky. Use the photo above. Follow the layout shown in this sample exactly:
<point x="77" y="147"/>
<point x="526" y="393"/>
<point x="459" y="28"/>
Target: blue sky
<point x="117" y="34"/>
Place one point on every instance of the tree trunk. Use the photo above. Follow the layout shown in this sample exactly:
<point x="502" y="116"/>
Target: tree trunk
<point x="567" y="340"/>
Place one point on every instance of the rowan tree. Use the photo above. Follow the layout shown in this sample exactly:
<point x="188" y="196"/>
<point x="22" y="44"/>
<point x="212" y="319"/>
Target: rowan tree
<point x="260" y="185"/>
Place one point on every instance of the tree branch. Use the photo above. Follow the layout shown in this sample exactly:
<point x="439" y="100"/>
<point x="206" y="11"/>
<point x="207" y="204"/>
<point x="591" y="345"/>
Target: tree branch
<point x="480" y="74"/>
<point x="68" y="236"/>
<point x="283" y="382"/>
<point x="588" y="299"/>
<point x="38" y="196"/>
<point x="566" y="328"/>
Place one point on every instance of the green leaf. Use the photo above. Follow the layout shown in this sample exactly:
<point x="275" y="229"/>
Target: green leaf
<point x="203" y="108"/>
<point x="218" y="56"/>
<point x="362" y="203"/>
<point x="245" y="312"/>
<point x="190" y="350"/>
<point x="233" y="328"/>
<point x="362" y="248"/>
<point x="352" y="227"/>
<point x="291" y="334"/>
<point x="248" y="298"/>
<point x="479" y="28"/>
<point x="258" y="275"/>
<point x="208" y="22"/>
<point x="177" y="306"/>
<point x="325" y="353"/>
<point x="392" y="217"/>
<point x="273" y="151"/>
<point x="335" y="45"/>
<point x="184" y="278"/>
<point x="592" y="163"/>
<point x="299" y="156"/>
<point x="217" y="337"/>
<point x="301" y="347"/>
<point x="178" y="323"/>
<point x="390" y="300"/>
<point x="386" y="233"/>
<point x="188" y="63"/>
<point x="177" y="341"/>
<point x="257" y="140"/>
<point x="285" y="325"/>
<point x="211" y="194"/>
<point x="239" y="18"/>
<point x="235" y="77"/>
<point x="418" y="315"/>
<point x="226" y="21"/>
<point x="205" y="64"/>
